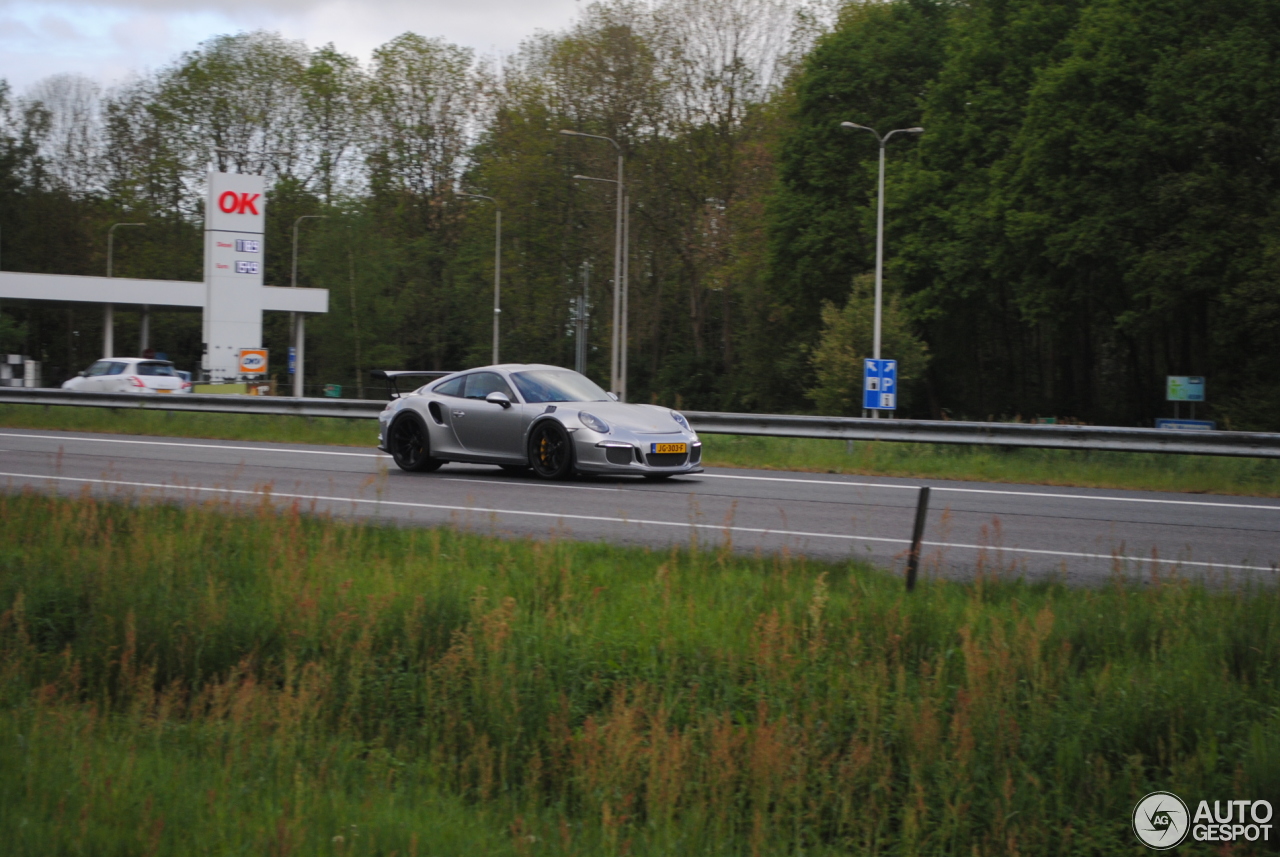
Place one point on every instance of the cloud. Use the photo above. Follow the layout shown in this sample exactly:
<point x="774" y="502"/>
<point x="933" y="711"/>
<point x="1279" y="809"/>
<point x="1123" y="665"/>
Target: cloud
<point x="107" y="40"/>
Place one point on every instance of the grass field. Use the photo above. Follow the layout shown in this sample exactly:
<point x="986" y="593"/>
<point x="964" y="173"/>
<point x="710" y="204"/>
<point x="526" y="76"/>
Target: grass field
<point x="207" y="680"/>
<point x="1186" y="473"/>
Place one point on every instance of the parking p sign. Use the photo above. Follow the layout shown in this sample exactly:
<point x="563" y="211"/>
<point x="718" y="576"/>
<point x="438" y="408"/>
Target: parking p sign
<point x="253" y="361"/>
<point x="880" y="385"/>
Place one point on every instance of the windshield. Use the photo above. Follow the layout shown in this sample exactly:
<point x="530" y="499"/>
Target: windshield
<point x="556" y="385"/>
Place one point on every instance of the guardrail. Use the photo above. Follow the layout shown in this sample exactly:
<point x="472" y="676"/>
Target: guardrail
<point x="220" y="404"/>
<point x="1233" y="443"/>
<point x="1239" y="444"/>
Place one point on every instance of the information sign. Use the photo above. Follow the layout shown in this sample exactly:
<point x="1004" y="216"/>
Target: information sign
<point x="253" y="361"/>
<point x="1186" y="425"/>
<point x="880" y="385"/>
<point x="1184" y="388"/>
<point x="293" y="360"/>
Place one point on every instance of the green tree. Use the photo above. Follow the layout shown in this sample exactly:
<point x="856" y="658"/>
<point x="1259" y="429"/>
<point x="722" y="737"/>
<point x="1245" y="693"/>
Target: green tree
<point x="872" y="69"/>
<point x="847" y="339"/>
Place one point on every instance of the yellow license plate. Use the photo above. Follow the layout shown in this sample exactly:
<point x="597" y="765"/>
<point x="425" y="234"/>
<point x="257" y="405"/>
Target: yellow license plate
<point x="668" y="447"/>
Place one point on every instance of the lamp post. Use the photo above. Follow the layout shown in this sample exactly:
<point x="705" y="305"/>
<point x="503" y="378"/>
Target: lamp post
<point x="619" y="383"/>
<point x="108" y="311"/>
<point x="880" y="226"/>
<point x="497" y="266"/>
<point x="297" y="321"/>
<point x="617" y="373"/>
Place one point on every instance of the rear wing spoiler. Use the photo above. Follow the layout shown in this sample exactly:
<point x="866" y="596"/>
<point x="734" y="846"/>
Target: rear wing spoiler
<point x="392" y="376"/>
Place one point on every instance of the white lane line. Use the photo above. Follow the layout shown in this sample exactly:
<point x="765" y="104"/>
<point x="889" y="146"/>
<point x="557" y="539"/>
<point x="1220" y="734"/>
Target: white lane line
<point x="197" y="445"/>
<point x="827" y="482"/>
<point x="832" y="483"/>
<point x="526" y="484"/>
<point x="612" y="520"/>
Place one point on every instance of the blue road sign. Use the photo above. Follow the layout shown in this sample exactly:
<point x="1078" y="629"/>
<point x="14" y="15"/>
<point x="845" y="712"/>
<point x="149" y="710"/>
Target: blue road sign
<point x="293" y="359"/>
<point x="1187" y="425"/>
<point x="880" y="385"/>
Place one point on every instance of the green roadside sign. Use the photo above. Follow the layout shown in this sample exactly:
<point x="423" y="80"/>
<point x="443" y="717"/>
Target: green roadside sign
<point x="1184" y="388"/>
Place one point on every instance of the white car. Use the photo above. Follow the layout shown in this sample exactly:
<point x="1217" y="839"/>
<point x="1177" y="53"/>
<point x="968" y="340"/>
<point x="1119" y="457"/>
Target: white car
<point x="520" y="416"/>
<point x="129" y="375"/>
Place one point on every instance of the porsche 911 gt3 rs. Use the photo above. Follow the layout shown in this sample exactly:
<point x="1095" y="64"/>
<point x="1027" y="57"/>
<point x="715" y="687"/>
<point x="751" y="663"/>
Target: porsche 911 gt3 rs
<point x="520" y="416"/>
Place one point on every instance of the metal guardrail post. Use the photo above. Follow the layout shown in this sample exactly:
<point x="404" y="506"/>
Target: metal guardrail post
<point x="917" y="534"/>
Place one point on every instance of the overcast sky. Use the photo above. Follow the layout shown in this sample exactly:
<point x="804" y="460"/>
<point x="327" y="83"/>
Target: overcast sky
<point x="108" y="39"/>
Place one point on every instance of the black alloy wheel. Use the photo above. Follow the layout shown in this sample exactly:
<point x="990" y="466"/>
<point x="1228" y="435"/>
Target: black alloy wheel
<point x="409" y="445"/>
<point x="550" y="450"/>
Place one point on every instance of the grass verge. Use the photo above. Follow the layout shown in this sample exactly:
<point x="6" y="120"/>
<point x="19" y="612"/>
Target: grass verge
<point x="1202" y="474"/>
<point x="179" y="680"/>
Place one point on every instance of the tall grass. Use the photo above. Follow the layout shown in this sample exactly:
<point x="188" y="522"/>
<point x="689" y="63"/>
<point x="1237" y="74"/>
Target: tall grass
<point x="1187" y="473"/>
<point x="197" y="679"/>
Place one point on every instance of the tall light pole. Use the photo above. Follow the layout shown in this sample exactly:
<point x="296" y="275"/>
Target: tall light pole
<point x="880" y="225"/>
<point x="497" y="266"/>
<point x="616" y="378"/>
<point x="620" y="347"/>
<point x="108" y="311"/>
<point x="298" y="322"/>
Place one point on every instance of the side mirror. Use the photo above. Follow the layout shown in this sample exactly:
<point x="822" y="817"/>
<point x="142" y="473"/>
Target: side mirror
<point x="497" y="398"/>
<point x="613" y="396"/>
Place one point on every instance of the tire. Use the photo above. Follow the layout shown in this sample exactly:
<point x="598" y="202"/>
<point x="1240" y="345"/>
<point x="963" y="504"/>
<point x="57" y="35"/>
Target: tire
<point x="550" y="450"/>
<point x="410" y="445"/>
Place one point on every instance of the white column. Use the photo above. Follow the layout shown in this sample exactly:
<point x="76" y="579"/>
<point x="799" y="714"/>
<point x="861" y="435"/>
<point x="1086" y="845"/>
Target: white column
<point x="108" y="331"/>
<point x="300" y="339"/>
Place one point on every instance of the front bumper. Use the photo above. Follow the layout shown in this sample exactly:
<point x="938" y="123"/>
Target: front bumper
<point x="615" y="455"/>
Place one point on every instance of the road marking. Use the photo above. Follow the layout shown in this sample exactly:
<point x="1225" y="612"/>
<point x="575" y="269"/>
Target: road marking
<point x="1003" y="492"/>
<point x="641" y="521"/>
<point x="526" y="484"/>
<point x="198" y="445"/>
<point x="826" y="482"/>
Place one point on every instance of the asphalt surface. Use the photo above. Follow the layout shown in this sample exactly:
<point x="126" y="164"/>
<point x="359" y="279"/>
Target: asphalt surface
<point x="1081" y="535"/>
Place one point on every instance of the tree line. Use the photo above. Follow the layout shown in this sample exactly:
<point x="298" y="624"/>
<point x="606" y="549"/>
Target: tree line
<point x="1092" y="205"/>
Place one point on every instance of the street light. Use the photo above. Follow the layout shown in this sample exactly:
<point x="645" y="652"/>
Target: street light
<point x="297" y="321"/>
<point x="497" y="266"/>
<point x="879" y="226"/>
<point x="617" y="379"/>
<point x="108" y="311"/>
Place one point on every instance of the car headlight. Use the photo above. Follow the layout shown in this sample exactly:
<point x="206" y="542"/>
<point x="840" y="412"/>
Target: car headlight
<point x="678" y="417"/>
<point x="593" y="422"/>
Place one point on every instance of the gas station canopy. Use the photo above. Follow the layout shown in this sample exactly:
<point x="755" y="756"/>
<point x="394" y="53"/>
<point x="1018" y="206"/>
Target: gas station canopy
<point x="158" y="294"/>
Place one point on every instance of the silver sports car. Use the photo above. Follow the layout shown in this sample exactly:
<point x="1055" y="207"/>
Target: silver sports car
<point x="521" y="416"/>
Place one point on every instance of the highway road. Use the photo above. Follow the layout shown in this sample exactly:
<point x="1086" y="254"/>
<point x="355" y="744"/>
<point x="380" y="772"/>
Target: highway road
<point x="1082" y="535"/>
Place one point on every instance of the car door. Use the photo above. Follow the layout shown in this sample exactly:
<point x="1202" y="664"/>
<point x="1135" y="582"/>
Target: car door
<point x="92" y="382"/>
<point x="446" y="401"/>
<point x="485" y="428"/>
<point x="104" y="377"/>
<point x="114" y="380"/>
